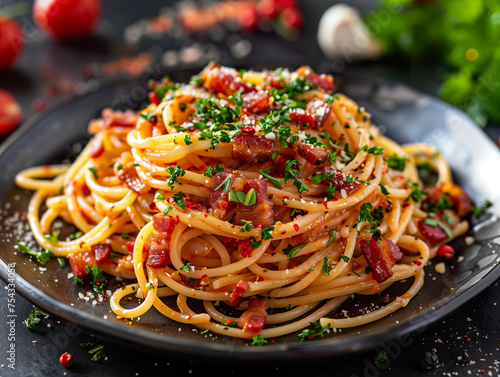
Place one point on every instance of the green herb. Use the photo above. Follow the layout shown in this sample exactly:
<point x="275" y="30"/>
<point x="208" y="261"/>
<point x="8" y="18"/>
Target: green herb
<point x="289" y="307"/>
<point x="397" y="163"/>
<point x="364" y="213"/>
<point x="318" y="178"/>
<point x="415" y="194"/>
<point x="434" y="222"/>
<point x="125" y="236"/>
<point x="274" y="181"/>
<point x="186" y="267"/>
<point x="311" y="334"/>
<point x="74" y="236"/>
<point x="266" y="232"/>
<point x="290" y="170"/>
<point x="381" y="355"/>
<point x="94" y="172"/>
<point x="442" y="203"/>
<point x="61" y="261"/>
<point x="345" y="258"/>
<point x="330" y="192"/>
<point x="78" y="280"/>
<point x="224" y="184"/>
<point x="209" y="171"/>
<point x="368" y="269"/>
<point x="159" y="196"/>
<point x="326" y="268"/>
<point x="168" y="209"/>
<point x="98" y="353"/>
<point x="179" y="200"/>
<point x="42" y="256"/>
<point x="383" y="189"/>
<point x="258" y="340"/>
<point x="333" y="235"/>
<point x="292" y="251"/>
<point x="187" y="139"/>
<point x="174" y="173"/>
<point x="301" y="186"/>
<point x="33" y="319"/>
<point x="247" y="226"/>
<point x="51" y="237"/>
<point x="373" y="150"/>
<point x="248" y="199"/>
<point x="255" y="245"/>
<point x="196" y="80"/>
<point x="97" y="277"/>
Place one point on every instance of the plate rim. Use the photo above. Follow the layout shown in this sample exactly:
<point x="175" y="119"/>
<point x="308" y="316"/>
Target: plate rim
<point x="272" y="352"/>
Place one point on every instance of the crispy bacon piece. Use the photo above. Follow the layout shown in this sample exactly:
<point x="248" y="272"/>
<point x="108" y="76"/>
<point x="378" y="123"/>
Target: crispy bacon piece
<point x="110" y="119"/>
<point x="254" y="318"/>
<point x="98" y="254"/>
<point x="323" y="81"/>
<point x="158" y="243"/>
<point x="381" y="257"/>
<point x="101" y="252"/>
<point x="255" y="102"/>
<point x="128" y="174"/>
<point x="261" y="213"/>
<point x="302" y="119"/>
<point x="319" y="110"/>
<point x="237" y="294"/>
<point x="252" y="149"/>
<point x="315" y="156"/>
<point x="339" y="180"/>
<point x="225" y="80"/>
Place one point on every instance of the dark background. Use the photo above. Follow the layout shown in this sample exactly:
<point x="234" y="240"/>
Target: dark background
<point x="49" y="71"/>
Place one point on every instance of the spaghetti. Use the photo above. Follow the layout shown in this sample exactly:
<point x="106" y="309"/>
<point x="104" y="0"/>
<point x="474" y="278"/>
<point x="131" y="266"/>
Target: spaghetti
<point x="258" y="191"/>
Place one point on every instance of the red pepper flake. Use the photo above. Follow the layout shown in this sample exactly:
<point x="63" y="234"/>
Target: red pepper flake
<point x="468" y="339"/>
<point x="152" y="206"/>
<point x="296" y="227"/>
<point x="341" y="138"/>
<point x="21" y="213"/>
<point x="418" y="263"/>
<point x="483" y="371"/>
<point x="190" y="315"/>
<point x="325" y="203"/>
<point x="229" y="322"/>
<point x="285" y="197"/>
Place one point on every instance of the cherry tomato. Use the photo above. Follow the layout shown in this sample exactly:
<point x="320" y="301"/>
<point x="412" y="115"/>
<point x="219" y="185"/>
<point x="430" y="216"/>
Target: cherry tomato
<point x="11" y="42"/>
<point x="10" y="112"/>
<point x="67" y="19"/>
<point x="248" y="19"/>
<point x="66" y="360"/>
<point x="292" y="18"/>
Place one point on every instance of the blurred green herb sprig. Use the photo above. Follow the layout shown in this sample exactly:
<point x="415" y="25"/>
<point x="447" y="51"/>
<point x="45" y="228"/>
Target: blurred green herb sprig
<point x="462" y="34"/>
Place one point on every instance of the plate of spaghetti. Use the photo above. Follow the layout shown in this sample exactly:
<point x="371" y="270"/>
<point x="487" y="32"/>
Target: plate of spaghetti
<point x="268" y="208"/>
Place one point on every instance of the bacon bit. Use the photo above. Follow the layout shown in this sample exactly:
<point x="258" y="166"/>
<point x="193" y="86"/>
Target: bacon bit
<point x="237" y="294"/>
<point x="315" y="156"/>
<point x="302" y="119"/>
<point x="129" y="176"/>
<point x="158" y="243"/>
<point x="191" y="204"/>
<point x="254" y="318"/>
<point x="225" y="81"/>
<point x="229" y="242"/>
<point x="102" y="252"/>
<point x="153" y="207"/>
<point x="255" y="102"/>
<point x="252" y="149"/>
<point x="79" y="260"/>
<point x="323" y="81"/>
<point x="381" y="257"/>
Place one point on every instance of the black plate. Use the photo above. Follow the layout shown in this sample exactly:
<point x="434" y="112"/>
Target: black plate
<point x="407" y="116"/>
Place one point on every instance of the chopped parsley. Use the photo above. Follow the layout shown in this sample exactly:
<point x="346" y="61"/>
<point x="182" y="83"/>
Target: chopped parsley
<point x="210" y="170"/>
<point x="326" y="268"/>
<point x="94" y="172"/>
<point x="396" y="163"/>
<point x="42" y="256"/>
<point x="174" y="174"/>
<point x="248" y="199"/>
<point x="301" y="186"/>
<point x="179" y="200"/>
<point x="33" y="319"/>
<point x="224" y="184"/>
<point x="247" y="226"/>
<point x="274" y="181"/>
<point x="345" y="258"/>
<point x="258" y="340"/>
<point x="333" y="235"/>
<point x="52" y="237"/>
<point x="186" y="267"/>
<point x="415" y="194"/>
<point x="266" y="232"/>
<point x="311" y="334"/>
<point x="292" y="251"/>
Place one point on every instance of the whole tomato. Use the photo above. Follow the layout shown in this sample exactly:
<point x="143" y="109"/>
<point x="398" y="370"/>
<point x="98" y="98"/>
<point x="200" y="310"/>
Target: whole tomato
<point x="11" y="42"/>
<point x="10" y="113"/>
<point x="67" y="19"/>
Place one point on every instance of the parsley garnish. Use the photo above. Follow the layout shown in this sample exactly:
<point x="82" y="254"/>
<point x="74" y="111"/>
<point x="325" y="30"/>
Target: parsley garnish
<point x="186" y="267"/>
<point x="210" y="170"/>
<point x="159" y="196"/>
<point x="266" y="232"/>
<point x="98" y="353"/>
<point x="33" y="319"/>
<point x="258" y="340"/>
<point x="292" y="251"/>
<point x="94" y="172"/>
<point x="167" y="210"/>
<point x="97" y="277"/>
<point x="290" y="170"/>
<point x="174" y="174"/>
<point x="381" y="355"/>
<point x="301" y="186"/>
<point x="345" y="258"/>
<point x="383" y="189"/>
<point x="51" y="237"/>
<point x="179" y="200"/>
<point x="333" y="235"/>
<point x="247" y="226"/>
<point x="248" y="199"/>
<point x="42" y="256"/>
<point x="274" y="181"/>
<point x="224" y="184"/>
<point x="310" y="334"/>
<point x="397" y="163"/>
<point x="326" y="268"/>
<point x="415" y="194"/>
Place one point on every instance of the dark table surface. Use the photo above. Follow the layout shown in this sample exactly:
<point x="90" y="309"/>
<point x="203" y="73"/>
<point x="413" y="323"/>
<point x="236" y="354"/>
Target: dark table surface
<point x="49" y="70"/>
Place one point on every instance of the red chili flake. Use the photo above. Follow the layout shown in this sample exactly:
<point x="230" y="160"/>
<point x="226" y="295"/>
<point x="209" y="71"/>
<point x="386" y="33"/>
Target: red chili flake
<point x="98" y="283"/>
<point x="468" y="339"/>
<point x="66" y="360"/>
<point x="311" y="336"/>
<point x="153" y="98"/>
<point x="21" y="213"/>
<point x="483" y="371"/>
<point x="286" y="197"/>
<point x="418" y="263"/>
<point x="341" y="138"/>
<point x="296" y="227"/>
<point x="229" y="321"/>
<point x="190" y="315"/>
<point x="325" y="203"/>
<point x="245" y="250"/>
<point x="152" y="206"/>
